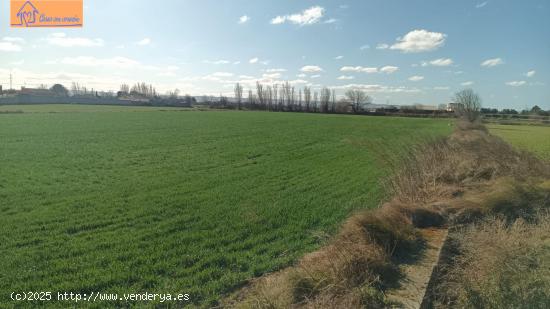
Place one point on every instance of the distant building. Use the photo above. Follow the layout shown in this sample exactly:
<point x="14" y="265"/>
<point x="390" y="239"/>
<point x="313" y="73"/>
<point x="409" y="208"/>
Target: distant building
<point x="37" y="92"/>
<point x="452" y="107"/>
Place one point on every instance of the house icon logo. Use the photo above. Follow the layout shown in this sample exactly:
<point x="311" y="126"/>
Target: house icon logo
<point x="46" y="13"/>
<point x="27" y="14"/>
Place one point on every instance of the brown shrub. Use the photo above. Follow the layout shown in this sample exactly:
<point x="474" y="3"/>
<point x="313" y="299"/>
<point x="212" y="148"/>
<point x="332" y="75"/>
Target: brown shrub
<point x="500" y="265"/>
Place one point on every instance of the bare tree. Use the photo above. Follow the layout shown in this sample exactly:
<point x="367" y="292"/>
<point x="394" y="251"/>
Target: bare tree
<point x="315" y="100"/>
<point x="275" y="96"/>
<point x="468" y="105"/>
<point x="239" y="95"/>
<point x="307" y="98"/>
<point x="325" y="100"/>
<point x="300" y="100"/>
<point x="333" y="101"/>
<point x="357" y="98"/>
<point x="251" y="99"/>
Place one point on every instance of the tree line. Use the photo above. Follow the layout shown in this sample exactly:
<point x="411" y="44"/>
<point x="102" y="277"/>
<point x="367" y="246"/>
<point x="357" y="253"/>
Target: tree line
<point x="286" y="97"/>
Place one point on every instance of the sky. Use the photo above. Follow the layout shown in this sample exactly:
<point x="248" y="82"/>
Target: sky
<point x="399" y="52"/>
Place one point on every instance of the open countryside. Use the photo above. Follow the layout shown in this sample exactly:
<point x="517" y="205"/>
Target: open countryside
<point x="230" y="195"/>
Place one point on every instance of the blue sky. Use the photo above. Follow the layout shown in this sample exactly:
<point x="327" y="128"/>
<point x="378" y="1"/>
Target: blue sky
<point x="400" y="52"/>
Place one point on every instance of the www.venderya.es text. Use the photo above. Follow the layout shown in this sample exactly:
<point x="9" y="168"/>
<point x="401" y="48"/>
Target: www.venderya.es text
<point x="98" y="297"/>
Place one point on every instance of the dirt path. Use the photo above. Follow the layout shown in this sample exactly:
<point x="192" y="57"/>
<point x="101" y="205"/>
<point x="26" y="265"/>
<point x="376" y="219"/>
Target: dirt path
<point x="417" y="275"/>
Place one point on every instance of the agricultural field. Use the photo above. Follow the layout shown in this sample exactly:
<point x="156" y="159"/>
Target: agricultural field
<point x="532" y="138"/>
<point x="114" y="200"/>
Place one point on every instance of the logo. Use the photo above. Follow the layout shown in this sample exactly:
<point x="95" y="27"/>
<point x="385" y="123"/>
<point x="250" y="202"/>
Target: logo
<point x="46" y="13"/>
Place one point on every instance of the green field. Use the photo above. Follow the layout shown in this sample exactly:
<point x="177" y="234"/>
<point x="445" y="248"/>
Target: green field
<point x="532" y="138"/>
<point x="111" y="199"/>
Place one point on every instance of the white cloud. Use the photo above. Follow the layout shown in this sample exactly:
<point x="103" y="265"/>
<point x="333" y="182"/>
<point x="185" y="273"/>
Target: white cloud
<point x="382" y="46"/>
<point x="272" y="75"/>
<point x="301" y="75"/>
<point x="531" y="73"/>
<point x="13" y="39"/>
<point x="308" y="17"/>
<point x="18" y="63"/>
<point x="9" y="47"/>
<point x="419" y="41"/>
<point x="115" y="62"/>
<point x="364" y="47"/>
<point x="359" y="69"/>
<point x="222" y="74"/>
<point x="217" y="61"/>
<point x="253" y="60"/>
<point x="482" y="4"/>
<point x="442" y="62"/>
<point x="62" y="40"/>
<point x="315" y="76"/>
<point x="389" y="69"/>
<point x="112" y="63"/>
<point x="492" y="62"/>
<point x="416" y="78"/>
<point x="311" y="69"/>
<point x="145" y="41"/>
<point x="338" y="57"/>
<point x="331" y="21"/>
<point x="244" y="19"/>
<point x="378" y="88"/>
<point x="468" y="83"/>
<point x="345" y="77"/>
<point x="516" y="83"/>
<point x="275" y="70"/>
<point x="442" y="88"/>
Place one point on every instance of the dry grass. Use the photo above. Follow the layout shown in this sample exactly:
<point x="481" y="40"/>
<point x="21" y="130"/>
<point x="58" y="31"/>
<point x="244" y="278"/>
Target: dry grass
<point x="469" y="158"/>
<point x="500" y="265"/>
<point x="459" y="179"/>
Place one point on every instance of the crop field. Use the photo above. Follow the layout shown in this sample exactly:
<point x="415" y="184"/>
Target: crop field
<point x="119" y="200"/>
<point x="532" y="138"/>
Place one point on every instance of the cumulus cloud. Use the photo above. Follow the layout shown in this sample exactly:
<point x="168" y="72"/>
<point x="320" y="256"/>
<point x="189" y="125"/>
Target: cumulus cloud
<point x="253" y="60"/>
<point x="143" y="42"/>
<point x="338" y="57"/>
<point x="345" y="77"/>
<point x="272" y="75"/>
<point x="244" y="19"/>
<point x="492" y="62"/>
<point x="359" y="69"/>
<point x="531" y="73"/>
<point x="389" y="69"/>
<point x="13" y="39"/>
<point x="217" y="61"/>
<point x="308" y="17"/>
<point x="416" y="78"/>
<point x="62" y="40"/>
<point x="222" y="74"/>
<point x="378" y="88"/>
<point x="482" y="4"/>
<point x="9" y="47"/>
<point x="311" y="69"/>
<point x="275" y="70"/>
<point x="441" y="62"/>
<point x="419" y="41"/>
<point x="112" y="63"/>
<point x="382" y="46"/>
<point x="516" y="83"/>
<point x="468" y="83"/>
